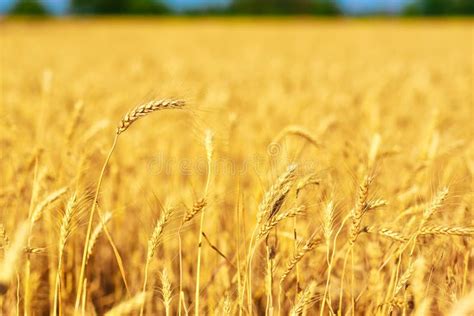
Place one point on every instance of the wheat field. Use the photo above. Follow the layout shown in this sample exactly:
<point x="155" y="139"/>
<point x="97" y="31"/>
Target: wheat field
<point x="292" y="167"/>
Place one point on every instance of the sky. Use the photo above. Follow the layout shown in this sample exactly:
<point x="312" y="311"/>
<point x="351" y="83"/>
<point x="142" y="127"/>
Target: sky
<point x="348" y="6"/>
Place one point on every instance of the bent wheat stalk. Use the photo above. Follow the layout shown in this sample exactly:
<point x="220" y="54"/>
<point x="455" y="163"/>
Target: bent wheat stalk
<point x="297" y="131"/>
<point x="129" y="118"/>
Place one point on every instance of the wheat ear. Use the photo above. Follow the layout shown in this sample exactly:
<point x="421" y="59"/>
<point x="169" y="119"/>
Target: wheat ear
<point x="328" y="224"/>
<point x="146" y="109"/>
<point x="274" y="220"/>
<point x="310" y="244"/>
<point x="275" y="196"/>
<point x="73" y="209"/>
<point x="305" y="299"/>
<point x="153" y="242"/>
<point x="446" y="230"/>
<point x="396" y="236"/>
<point x="166" y="291"/>
<point x="124" y="124"/>
<point x="435" y="204"/>
<point x="268" y="217"/>
<point x="359" y="210"/>
<point x="404" y="279"/>
<point x="428" y="212"/>
<point x="191" y="213"/>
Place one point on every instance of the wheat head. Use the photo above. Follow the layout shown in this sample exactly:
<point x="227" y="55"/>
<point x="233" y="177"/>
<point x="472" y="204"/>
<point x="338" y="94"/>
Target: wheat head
<point x="145" y="109"/>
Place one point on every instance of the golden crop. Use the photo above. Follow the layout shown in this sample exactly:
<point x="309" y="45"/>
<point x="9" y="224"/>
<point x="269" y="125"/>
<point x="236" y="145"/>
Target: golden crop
<point x="292" y="167"/>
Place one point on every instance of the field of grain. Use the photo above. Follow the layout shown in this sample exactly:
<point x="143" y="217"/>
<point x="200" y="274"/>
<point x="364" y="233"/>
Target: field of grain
<point x="273" y="167"/>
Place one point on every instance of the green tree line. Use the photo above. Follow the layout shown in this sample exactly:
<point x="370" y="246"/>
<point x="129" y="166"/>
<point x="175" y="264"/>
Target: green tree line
<point x="242" y="7"/>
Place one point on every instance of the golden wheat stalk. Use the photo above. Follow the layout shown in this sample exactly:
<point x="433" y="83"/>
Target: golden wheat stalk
<point x="359" y="210"/>
<point x="146" y="109"/>
<point x="67" y="222"/>
<point x="375" y="204"/>
<point x="394" y="235"/>
<point x="124" y="124"/>
<point x="153" y="242"/>
<point x="191" y="213"/>
<point x="435" y="204"/>
<point x="209" y="145"/>
<point x="447" y="230"/>
<point x="97" y="231"/>
<point x="274" y="220"/>
<point x="328" y="223"/>
<point x="305" y="300"/>
<point x="403" y="281"/>
<point x="268" y="217"/>
<point x="198" y="206"/>
<point x="310" y="244"/>
<point x="73" y="207"/>
<point x="157" y="234"/>
<point x="166" y="291"/>
<point x="275" y="196"/>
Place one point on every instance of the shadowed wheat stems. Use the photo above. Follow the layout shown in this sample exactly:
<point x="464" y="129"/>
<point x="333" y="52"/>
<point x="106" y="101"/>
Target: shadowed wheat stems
<point x="129" y="118"/>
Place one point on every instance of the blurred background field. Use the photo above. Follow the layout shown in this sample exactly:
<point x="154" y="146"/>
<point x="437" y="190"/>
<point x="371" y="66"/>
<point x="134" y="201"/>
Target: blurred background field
<point x="391" y="98"/>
